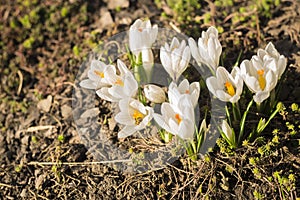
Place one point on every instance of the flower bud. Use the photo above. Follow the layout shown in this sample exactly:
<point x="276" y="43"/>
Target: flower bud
<point x="229" y="133"/>
<point x="154" y="93"/>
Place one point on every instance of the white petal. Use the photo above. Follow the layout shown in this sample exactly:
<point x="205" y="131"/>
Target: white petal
<point x="186" y="130"/>
<point x="211" y="83"/>
<point x="271" y="80"/>
<point x="194" y="50"/>
<point x="167" y="110"/>
<point x="104" y="94"/>
<point x="239" y="85"/>
<point x="138" y="106"/>
<point x="146" y="119"/>
<point x="122" y="67"/>
<point x="234" y="99"/>
<point x="211" y="49"/>
<point x="281" y="65"/>
<point x="227" y="130"/>
<point x="126" y="131"/>
<point x="174" y="127"/>
<point x="222" y="95"/>
<point x="174" y="43"/>
<point x="259" y="97"/>
<point x="203" y="126"/>
<point x="154" y="33"/>
<point x="166" y="61"/>
<point x="88" y="84"/>
<point x="183" y="86"/>
<point x="185" y="59"/>
<point x="161" y="122"/>
<point x="130" y="85"/>
<point x="222" y="75"/>
<point x="124" y="105"/>
<point x="117" y="92"/>
<point x="154" y="93"/>
<point x="195" y="92"/>
<point x="124" y="119"/>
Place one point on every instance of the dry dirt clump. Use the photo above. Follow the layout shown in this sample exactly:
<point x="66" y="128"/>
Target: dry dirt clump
<point x="42" y="45"/>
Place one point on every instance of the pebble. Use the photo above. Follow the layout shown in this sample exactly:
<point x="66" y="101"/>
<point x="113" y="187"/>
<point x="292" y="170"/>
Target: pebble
<point x="45" y="104"/>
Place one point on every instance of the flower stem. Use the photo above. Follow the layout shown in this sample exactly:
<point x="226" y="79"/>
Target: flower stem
<point x="228" y="116"/>
<point x="242" y="123"/>
<point x="236" y="112"/>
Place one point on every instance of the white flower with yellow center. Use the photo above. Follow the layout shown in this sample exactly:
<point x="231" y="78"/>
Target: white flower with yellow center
<point x="97" y="75"/>
<point x="121" y="86"/>
<point x="154" y="93"/>
<point x="175" y="58"/>
<point x="208" y="50"/>
<point x="178" y="119"/>
<point x="193" y="90"/>
<point x="259" y="78"/>
<point x="134" y="116"/>
<point x="271" y="59"/>
<point x="226" y="87"/>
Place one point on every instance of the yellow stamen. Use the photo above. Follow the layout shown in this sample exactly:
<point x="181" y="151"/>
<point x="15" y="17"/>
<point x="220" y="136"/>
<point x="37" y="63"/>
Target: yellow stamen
<point x="187" y="91"/>
<point x="229" y="88"/>
<point x="174" y="47"/>
<point x="138" y="117"/>
<point x="140" y="29"/>
<point x="261" y="79"/>
<point x="101" y="74"/>
<point x="119" y="82"/>
<point x="178" y="118"/>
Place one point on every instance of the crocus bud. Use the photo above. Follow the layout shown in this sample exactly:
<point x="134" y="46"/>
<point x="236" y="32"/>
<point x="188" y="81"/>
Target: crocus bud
<point x="229" y="133"/>
<point x="154" y="93"/>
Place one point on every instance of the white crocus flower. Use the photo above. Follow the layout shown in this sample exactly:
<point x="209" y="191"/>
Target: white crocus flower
<point x="229" y="133"/>
<point x="175" y="58"/>
<point x="134" y="116"/>
<point x="259" y="78"/>
<point x="178" y="119"/>
<point x="226" y="87"/>
<point x="208" y="50"/>
<point x="141" y="37"/>
<point x="121" y="86"/>
<point x="154" y="93"/>
<point x="271" y="59"/>
<point x="97" y="75"/>
<point x="184" y="87"/>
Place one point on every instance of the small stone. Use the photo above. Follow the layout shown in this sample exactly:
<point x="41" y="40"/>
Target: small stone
<point x="66" y="111"/>
<point x="23" y="193"/>
<point x="112" y="123"/>
<point x="106" y="20"/>
<point x="39" y="181"/>
<point x="93" y="112"/>
<point x="45" y="104"/>
<point x="115" y="4"/>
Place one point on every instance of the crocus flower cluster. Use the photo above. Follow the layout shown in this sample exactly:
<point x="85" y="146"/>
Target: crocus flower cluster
<point x="119" y="85"/>
<point x="263" y="71"/>
<point x="260" y="74"/>
<point x="177" y="111"/>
